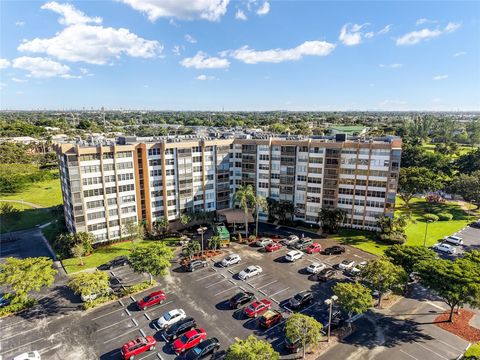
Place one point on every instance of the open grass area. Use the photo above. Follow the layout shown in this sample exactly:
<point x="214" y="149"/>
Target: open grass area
<point x="462" y="149"/>
<point x="363" y="240"/>
<point x="26" y="219"/>
<point x="44" y="193"/>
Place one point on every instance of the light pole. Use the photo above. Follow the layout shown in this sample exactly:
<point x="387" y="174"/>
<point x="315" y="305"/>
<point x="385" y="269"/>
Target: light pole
<point x="330" y="303"/>
<point x="201" y="231"/>
<point x="426" y="230"/>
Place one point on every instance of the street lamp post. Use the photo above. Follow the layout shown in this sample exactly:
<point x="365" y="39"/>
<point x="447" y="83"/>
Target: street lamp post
<point x="330" y="303"/>
<point x="426" y="230"/>
<point x="202" y="230"/>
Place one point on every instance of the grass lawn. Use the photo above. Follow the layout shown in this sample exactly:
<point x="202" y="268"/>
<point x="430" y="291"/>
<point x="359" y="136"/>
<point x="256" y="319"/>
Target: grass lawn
<point x="462" y="149"/>
<point x="44" y="193"/>
<point x="25" y="219"/>
<point x="363" y="240"/>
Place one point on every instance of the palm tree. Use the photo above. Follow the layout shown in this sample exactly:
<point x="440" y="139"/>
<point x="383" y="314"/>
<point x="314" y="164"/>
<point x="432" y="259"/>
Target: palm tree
<point x="192" y="248"/>
<point x="160" y="225"/>
<point x="244" y="197"/>
<point x="260" y="203"/>
<point x="214" y="242"/>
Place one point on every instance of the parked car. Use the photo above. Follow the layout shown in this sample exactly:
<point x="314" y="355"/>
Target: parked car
<point x="188" y="340"/>
<point x="475" y="224"/>
<point x="338" y="320"/>
<point x="196" y="264"/>
<point x="137" y="347"/>
<point x="301" y="299"/>
<point x="4" y="300"/>
<point x="352" y="272"/>
<point x="445" y="248"/>
<point x="240" y="298"/>
<point x="203" y="349"/>
<point x="31" y="355"/>
<point x="313" y="248"/>
<point x="231" y="259"/>
<point x="93" y="296"/>
<point x="219" y="355"/>
<point x="334" y="250"/>
<point x="293" y="255"/>
<point x="455" y="240"/>
<point x="293" y="346"/>
<point x="262" y="242"/>
<point x="257" y="307"/>
<point x="118" y="261"/>
<point x="290" y="240"/>
<point x="155" y="298"/>
<point x="250" y="271"/>
<point x="171" y="317"/>
<point x="179" y="328"/>
<point x="304" y="243"/>
<point x="315" y="268"/>
<point x="273" y="247"/>
<point x="324" y="275"/>
<point x="346" y="264"/>
<point x="270" y="318"/>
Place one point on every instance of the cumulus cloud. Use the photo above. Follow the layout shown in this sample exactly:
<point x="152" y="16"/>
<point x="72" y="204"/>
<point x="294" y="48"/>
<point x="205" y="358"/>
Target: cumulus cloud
<point x="240" y="15"/>
<point x="308" y="48"/>
<point x="351" y="34"/>
<point x="264" y="9"/>
<point x="415" y="37"/>
<point x="40" y="67"/>
<point x="4" y="63"/>
<point x="211" y="10"/>
<point x="460" y="53"/>
<point x="202" y="61"/>
<point x="190" y="39"/>
<point x="391" y="66"/>
<point x="440" y="77"/>
<point x="70" y="15"/>
<point x="204" y="77"/>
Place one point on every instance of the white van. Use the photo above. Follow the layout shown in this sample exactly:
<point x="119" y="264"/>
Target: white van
<point x="455" y="240"/>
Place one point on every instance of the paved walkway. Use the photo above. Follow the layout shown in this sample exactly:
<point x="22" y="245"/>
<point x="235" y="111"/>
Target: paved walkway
<point x="475" y="321"/>
<point x="35" y="206"/>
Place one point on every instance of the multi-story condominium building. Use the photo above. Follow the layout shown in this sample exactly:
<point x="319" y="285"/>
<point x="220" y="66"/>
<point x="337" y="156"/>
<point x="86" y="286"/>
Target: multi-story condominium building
<point x="143" y="179"/>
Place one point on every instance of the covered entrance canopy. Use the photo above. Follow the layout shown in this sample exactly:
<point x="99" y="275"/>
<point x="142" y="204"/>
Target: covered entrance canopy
<point x="234" y="216"/>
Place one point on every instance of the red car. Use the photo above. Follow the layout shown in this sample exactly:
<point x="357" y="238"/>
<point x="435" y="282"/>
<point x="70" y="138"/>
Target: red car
<point x="314" y="248"/>
<point x="273" y="247"/>
<point x="257" y="307"/>
<point x="158" y="297"/>
<point x="137" y="347"/>
<point x="188" y="340"/>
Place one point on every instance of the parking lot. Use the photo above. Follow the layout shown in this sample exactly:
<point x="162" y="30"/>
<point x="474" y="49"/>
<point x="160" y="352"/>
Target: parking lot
<point x="471" y="241"/>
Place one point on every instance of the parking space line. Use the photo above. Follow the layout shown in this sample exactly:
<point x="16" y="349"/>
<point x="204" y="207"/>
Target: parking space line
<point x="308" y="307"/>
<point x="18" y="347"/>
<point x="148" y="317"/>
<point x="278" y="292"/>
<point x="207" y="276"/>
<point x="119" y="336"/>
<point x="141" y="332"/>
<point x="453" y="347"/>
<point x="135" y="322"/>
<point x="114" y="324"/>
<point x="404" y="352"/>
<point x="159" y="356"/>
<point x="232" y="282"/>
<point x="221" y="292"/>
<point x="270" y="283"/>
<point x="109" y="313"/>
<point x="261" y="292"/>
<point x="215" y="283"/>
<point x="426" y="348"/>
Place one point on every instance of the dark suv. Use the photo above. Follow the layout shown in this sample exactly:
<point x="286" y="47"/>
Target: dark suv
<point x="195" y="264"/>
<point x="334" y="250"/>
<point x="179" y="328"/>
<point x="118" y="261"/>
<point x="241" y="298"/>
<point x="324" y="275"/>
<point x="301" y="299"/>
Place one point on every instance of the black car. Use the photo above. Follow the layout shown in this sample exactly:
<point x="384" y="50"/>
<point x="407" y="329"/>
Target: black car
<point x="118" y="261"/>
<point x="195" y="264"/>
<point x="301" y="299"/>
<point x="219" y="355"/>
<point x="4" y="300"/>
<point x="338" y="320"/>
<point x="324" y="275"/>
<point x="334" y="250"/>
<point x="293" y="346"/>
<point x="241" y="298"/>
<point x="203" y="349"/>
<point x="179" y="328"/>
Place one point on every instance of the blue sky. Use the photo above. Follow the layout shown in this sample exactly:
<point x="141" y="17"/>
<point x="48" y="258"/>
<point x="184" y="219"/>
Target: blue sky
<point x="240" y="55"/>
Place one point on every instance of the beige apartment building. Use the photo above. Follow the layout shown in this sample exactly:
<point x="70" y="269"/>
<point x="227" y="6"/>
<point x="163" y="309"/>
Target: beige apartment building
<point x="105" y="186"/>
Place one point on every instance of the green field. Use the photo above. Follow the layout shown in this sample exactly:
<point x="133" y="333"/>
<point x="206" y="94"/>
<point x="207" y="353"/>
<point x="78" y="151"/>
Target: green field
<point x="462" y="149"/>
<point x="25" y="219"/>
<point x="44" y="193"/>
<point x="363" y="240"/>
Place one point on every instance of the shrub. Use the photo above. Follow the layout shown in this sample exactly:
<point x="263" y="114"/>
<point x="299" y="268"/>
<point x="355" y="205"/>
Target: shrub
<point x="445" y="216"/>
<point x="138" y="287"/>
<point x="473" y="352"/>
<point x="393" y="238"/>
<point x="431" y="217"/>
<point x="98" y="301"/>
<point x="15" y="307"/>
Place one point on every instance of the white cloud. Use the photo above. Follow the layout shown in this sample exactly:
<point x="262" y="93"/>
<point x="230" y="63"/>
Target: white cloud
<point x="415" y="37"/>
<point x="264" y="9"/>
<point x="391" y="66"/>
<point x="176" y="50"/>
<point x="14" y="79"/>
<point x="211" y="10"/>
<point x="19" y="23"/>
<point x="440" y="77"/>
<point x="369" y="34"/>
<point x="308" y="48"/>
<point x="350" y="34"/>
<point x="41" y="67"/>
<point x="425" y="21"/>
<point x="204" y="77"/>
<point x="240" y="15"/>
<point x="4" y="63"/>
<point x="70" y="15"/>
<point x="190" y="39"/>
<point x="84" y="71"/>
<point x="385" y="30"/>
<point x="93" y="44"/>
<point x="460" y="53"/>
<point x="202" y="61"/>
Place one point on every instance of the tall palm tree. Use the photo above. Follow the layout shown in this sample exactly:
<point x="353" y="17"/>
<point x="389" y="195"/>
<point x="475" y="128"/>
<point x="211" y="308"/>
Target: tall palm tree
<point x="244" y="197"/>
<point x="260" y="203"/>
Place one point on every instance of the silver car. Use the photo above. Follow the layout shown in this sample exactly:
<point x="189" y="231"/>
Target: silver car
<point x="250" y="271"/>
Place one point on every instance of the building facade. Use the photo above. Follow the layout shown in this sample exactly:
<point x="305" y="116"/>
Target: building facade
<point x="138" y="179"/>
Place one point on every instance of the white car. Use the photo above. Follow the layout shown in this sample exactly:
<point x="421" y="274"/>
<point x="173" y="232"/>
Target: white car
<point x="455" y="240"/>
<point x="449" y="249"/>
<point x="250" y="271"/>
<point x="315" y="268"/>
<point x="293" y="255"/>
<point x="170" y="318"/>
<point x="263" y="242"/>
<point x="31" y="355"/>
<point x="346" y="264"/>
<point x="231" y="259"/>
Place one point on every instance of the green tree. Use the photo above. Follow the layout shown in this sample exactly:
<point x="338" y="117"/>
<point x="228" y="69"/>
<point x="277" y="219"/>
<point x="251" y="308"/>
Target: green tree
<point x="64" y="243"/>
<point x="251" y="348"/>
<point x="392" y="229"/>
<point x="78" y="251"/>
<point x="408" y="256"/>
<point x="135" y="231"/>
<point x="185" y="219"/>
<point x="161" y="225"/>
<point x="331" y="219"/>
<point x="244" y="197"/>
<point x="305" y="328"/>
<point x="353" y="298"/>
<point x="260" y="205"/>
<point x="89" y="283"/>
<point x="473" y="130"/>
<point x="191" y="248"/>
<point x="21" y="276"/>
<point x="10" y="214"/>
<point x="467" y="186"/>
<point x="416" y="180"/>
<point x="469" y="162"/>
<point x="214" y="242"/>
<point x="154" y="259"/>
<point x="382" y="275"/>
